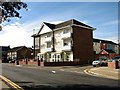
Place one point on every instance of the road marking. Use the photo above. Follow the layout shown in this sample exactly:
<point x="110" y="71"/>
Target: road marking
<point x="17" y="65"/>
<point x="71" y="71"/>
<point x="12" y="84"/>
<point x="62" y="69"/>
<point x="86" y="71"/>
<point x="95" y="68"/>
<point x="98" y="74"/>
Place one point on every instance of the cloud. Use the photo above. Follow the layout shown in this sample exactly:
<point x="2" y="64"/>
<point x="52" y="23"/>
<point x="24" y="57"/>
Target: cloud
<point x="15" y="35"/>
<point x="85" y="21"/>
<point x="113" y="38"/>
<point x="56" y="22"/>
<point x="114" y="22"/>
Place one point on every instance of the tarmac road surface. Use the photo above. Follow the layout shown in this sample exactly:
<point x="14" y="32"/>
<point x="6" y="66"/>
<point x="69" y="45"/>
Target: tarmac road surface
<point x="44" y="78"/>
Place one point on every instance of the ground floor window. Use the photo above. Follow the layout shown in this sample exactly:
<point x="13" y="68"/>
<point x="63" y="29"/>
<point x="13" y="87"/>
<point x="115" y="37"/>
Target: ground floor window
<point x="57" y="57"/>
<point x="66" y="56"/>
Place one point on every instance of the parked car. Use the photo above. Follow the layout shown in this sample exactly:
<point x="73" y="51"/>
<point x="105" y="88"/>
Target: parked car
<point x="116" y="58"/>
<point x="96" y="63"/>
<point x="101" y="61"/>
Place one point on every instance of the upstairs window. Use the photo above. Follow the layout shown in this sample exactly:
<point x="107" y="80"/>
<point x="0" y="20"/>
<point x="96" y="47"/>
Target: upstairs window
<point x="48" y="44"/>
<point x="65" y="31"/>
<point x="48" y="35"/>
<point x="65" y="44"/>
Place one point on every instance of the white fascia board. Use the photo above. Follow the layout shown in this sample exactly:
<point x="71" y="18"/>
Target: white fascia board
<point x="83" y="27"/>
<point x="62" y="27"/>
<point x="44" y="29"/>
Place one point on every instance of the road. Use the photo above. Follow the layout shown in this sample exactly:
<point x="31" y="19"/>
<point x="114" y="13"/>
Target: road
<point x="36" y="78"/>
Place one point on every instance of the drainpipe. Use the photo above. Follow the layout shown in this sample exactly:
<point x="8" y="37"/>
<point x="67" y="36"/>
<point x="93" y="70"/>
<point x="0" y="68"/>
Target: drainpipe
<point x="34" y="47"/>
<point x="53" y="42"/>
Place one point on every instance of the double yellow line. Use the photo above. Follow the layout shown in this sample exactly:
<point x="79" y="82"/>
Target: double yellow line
<point x="12" y="84"/>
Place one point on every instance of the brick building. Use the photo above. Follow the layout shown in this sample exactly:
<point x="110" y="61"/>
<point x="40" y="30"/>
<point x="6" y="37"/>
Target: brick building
<point x="70" y="41"/>
<point x="20" y="52"/>
<point x="105" y="48"/>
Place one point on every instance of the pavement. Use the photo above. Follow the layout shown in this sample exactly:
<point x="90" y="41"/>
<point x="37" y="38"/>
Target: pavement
<point x="7" y="84"/>
<point x="103" y="72"/>
<point x="3" y="85"/>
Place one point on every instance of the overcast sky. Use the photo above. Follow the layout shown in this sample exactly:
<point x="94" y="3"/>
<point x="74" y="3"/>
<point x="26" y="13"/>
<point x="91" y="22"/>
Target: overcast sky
<point x="101" y="15"/>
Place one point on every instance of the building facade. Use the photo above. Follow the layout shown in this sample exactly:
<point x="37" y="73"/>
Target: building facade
<point x="105" y="48"/>
<point x="20" y="52"/>
<point x="99" y="44"/>
<point x="70" y="41"/>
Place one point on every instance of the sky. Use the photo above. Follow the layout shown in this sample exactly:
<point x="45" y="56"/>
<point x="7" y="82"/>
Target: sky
<point x="101" y="15"/>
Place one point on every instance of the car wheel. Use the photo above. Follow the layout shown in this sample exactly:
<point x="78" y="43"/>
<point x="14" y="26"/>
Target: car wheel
<point x="94" y="65"/>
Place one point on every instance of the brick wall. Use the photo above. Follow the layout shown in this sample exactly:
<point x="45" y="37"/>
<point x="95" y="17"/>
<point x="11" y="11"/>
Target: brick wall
<point x="114" y="65"/>
<point x="35" y="63"/>
<point x="28" y="62"/>
<point x="83" y="45"/>
<point x="61" y="63"/>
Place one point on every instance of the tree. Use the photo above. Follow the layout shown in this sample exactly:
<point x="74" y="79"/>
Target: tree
<point x="25" y="54"/>
<point x="10" y="9"/>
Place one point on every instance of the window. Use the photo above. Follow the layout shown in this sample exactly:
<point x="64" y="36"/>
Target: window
<point x="58" y="57"/>
<point x="67" y="56"/>
<point x="54" y="58"/>
<point x="42" y="46"/>
<point x="36" y="42"/>
<point x="65" y="31"/>
<point x="95" y="43"/>
<point x="49" y="35"/>
<point x="48" y="44"/>
<point x="65" y="42"/>
<point x="49" y="55"/>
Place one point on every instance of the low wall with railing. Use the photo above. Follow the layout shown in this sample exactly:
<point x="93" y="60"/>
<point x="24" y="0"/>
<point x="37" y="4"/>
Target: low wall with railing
<point x="28" y="62"/>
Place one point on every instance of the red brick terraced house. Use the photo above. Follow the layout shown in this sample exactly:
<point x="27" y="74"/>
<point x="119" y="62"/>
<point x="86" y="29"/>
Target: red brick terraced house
<point x="17" y="53"/>
<point x="105" y="48"/>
